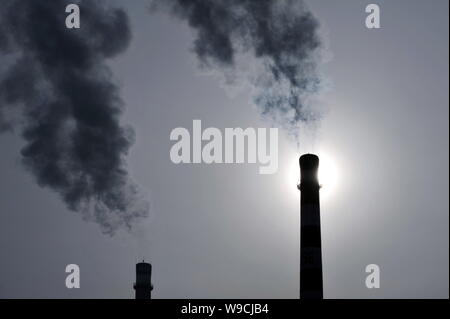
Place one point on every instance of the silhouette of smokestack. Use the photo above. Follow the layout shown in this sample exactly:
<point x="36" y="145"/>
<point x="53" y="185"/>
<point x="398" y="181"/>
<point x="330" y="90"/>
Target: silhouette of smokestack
<point x="143" y="285"/>
<point x="311" y="284"/>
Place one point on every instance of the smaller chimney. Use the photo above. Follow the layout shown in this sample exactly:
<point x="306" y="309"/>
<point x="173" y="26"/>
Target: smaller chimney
<point x="143" y="285"/>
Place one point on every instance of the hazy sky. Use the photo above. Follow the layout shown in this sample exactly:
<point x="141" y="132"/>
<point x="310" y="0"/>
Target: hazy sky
<point x="224" y="231"/>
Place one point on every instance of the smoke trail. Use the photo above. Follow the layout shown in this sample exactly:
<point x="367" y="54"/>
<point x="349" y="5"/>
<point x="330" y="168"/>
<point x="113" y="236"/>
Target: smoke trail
<point x="58" y="82"/>
<point x="280" y="34"/>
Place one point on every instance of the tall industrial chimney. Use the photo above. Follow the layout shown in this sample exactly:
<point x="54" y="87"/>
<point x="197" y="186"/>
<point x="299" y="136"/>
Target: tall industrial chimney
<point x="143" y="285"/>
<point x="311" y="284"/>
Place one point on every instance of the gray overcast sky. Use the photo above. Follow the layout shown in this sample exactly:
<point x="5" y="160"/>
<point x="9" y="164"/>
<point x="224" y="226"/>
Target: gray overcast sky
<point x="224" y="231"/>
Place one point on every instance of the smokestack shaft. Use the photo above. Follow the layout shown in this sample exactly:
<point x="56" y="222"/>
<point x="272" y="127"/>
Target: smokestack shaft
<point x="143" y="285"/>
<point x="311" y="282"/>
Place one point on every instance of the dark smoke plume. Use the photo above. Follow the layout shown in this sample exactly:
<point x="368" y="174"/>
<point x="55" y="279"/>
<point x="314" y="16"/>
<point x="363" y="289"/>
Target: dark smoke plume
<point x="56" y="87"/>
<point x="280" y="34"/>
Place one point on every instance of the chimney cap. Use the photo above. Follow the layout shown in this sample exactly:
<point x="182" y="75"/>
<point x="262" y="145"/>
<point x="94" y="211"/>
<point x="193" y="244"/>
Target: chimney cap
<point x="143" y="265"/>
<point x="309" y="162"/>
